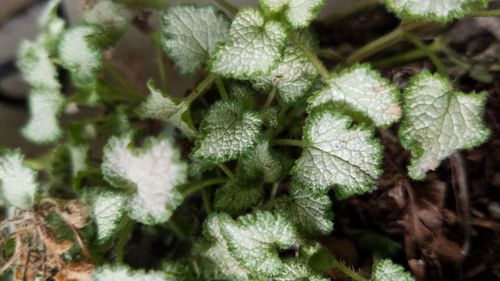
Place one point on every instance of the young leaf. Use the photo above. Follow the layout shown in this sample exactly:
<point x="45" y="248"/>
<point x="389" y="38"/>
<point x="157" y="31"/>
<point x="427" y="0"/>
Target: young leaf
<point x="109" y="15"/>
<point x="123" y="273"/>
<point x="237" y="196"/>
<point x="52" y="26"/>
<point x="299" y="13"/>
<point x="338" y="153"/>
<point x="166" y="109"/>
<point x="45" y="107"/>
<point x="364" y="90"/>
<point x="294" y="75"/>
<point x="440" y="10"/>
<point x="191" y="34"/>
<point x="253" y="241"/>
<point x="439" y="120"/>
<point x="108" y="209"/>
<point x="36" y="67"/>
<point x="227" y="131"/>
<point x="309" y="211"/>
<point x="79" y="54"/>
<point x="78" y="154"/>
<point x="17" y="181"/>
<point x="154" y="171"/>
<point x="254" y="46"/>
<point x="221" y="260"/>
<point x="297" y="270"/>
<point x="262" y="162"/>
<point x="386" y="270"/>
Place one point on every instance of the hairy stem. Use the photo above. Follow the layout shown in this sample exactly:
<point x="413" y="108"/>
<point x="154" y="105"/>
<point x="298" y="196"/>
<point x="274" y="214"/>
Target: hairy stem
<point x="221" y="88"/>
<point x="228" y="6"/>
<point x="197" y="186"/>
<point x="206" y="200"/>
<point x="200" y="89"/>
<point x="325" y="74"/>
<point x="409" y="56"/>
<point x="227" y="171"/>
<point x="428" y="52"/>
<point x="270" y="98"/>
<point x="288" y="142"/>
<point x="161" y="69"/>
<point x="348" y="272"/>
<point x="124" y="236"/>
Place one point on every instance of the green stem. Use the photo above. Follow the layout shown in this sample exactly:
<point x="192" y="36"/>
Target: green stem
<point x="390" y="39"/>
<point x="206" y="200"/>
<point x="124" y="236"/>
<point x="490" y="13"/>
<point x="200" y="89"/>
<point x="161" y="69"/>
<point x="430" y="54"/>
<point x="172" y="225"/>
<point x="270" y="98"/>
<point x="130" y="90"/>
<point x="227" y="171"/>
<point x="274" y="190"/>
<point x="221" y="88"/>
<point x="348" y="272"/>
<point x="228" y="6"/>
<point x="325" y="74"/>
<point x="195" y="187"/>
<point x="409" y="56"/>
<point x="361" y="5"/>
<point x="288" y="142"/>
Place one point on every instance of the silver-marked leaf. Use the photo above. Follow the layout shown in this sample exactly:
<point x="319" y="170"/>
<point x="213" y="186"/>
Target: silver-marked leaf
<point x="17" y="181"/>
<point x="262" y="162"/>
<point x="165" y="109"/>
<point x="79" y="54"/>
<point x="299" y="13"/>
<point x="123" y="273"/>
<point x="297" y="269"/>
<point x="294" y="75"/>
<point x="228" y="130"/>
<point x="109" y="15"/>
<point x="308" y="210"/>
<point x="78" y="154"/>
<point x="36" y="68"/>
<point x="52" y="26"/>
<point x="237" y="196"/>
<point x="386" y="270"/>
<point x="108" y="209"/>
<point x="253" y="48"/>
<point x="338" y="154"/>
<point x="154" y="171"/>
<point x="45" y="108"/>
<point x="364" y="90"/>
<point x="191" y="33"/>
<point x="440" y="10"/>
<point x="438" y="121"/>
<point x="253" y="239"/>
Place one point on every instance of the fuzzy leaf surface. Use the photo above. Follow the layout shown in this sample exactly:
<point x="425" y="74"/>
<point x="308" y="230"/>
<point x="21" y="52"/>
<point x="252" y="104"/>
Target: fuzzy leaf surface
<point x="438" y="121"/>
<point x="191" y="34"/>
<point x="165" y="109"/>
<point x="237" y="196"/>
<point x="253" y="48"/>
<point x="17" y="181"/>
<point x="35" y="66"/>
<point x="338" y="154"/>
<point x="227" y="131"/>
<point x="108" y="209"/>
<point x="440" y="10"/>
<point x="109" y="15"/>
<point x="263" y="162"/>
<point x="154" y="171"/>
<point x="386" y="270"/>
<point x="297" y="270"/>
<point x="299" y="13"/>
<point x="310" y="211"/>
<point x="123" y="273"/>
<point x="364" y="90"/>
<point x="294" y="75"/>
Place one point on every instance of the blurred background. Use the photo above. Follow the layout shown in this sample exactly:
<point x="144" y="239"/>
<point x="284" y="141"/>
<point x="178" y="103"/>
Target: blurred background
<point x="18" y="21"/>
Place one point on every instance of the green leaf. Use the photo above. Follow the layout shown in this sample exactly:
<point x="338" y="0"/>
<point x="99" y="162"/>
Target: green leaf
<point x="294" y="75"/>
<point x="297" y="270"/>
<point x="17" y="181"/>
<point x="299" y="13"/>
<point x="364" y="90"/>
<point x="36" y="67"/>
<point x="108" y="209"/>
<point x="165" y="109"/>
<point x="386" y="270"/>
<point x="79" y="53"/>
<point x="154" y="171"/>
<point x="227" y="131"/>
<point x="253" y="241"/>
<point x="237" y="196"/>
<point x="439" y="10"/>
<point x="123" y="273"/>
<point x="338" y="153"/>
<point x="45" y="107"/>
<point x="253" y="48"/>
<point x="262" y="162"/>
<point x="191" y="34"/>
<point x="310" y="211"/>
<point x="438" y="121"/>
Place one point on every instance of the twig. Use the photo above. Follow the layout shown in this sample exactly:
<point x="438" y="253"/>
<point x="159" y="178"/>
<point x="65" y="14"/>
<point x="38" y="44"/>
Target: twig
<point x="460" y="188"/>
